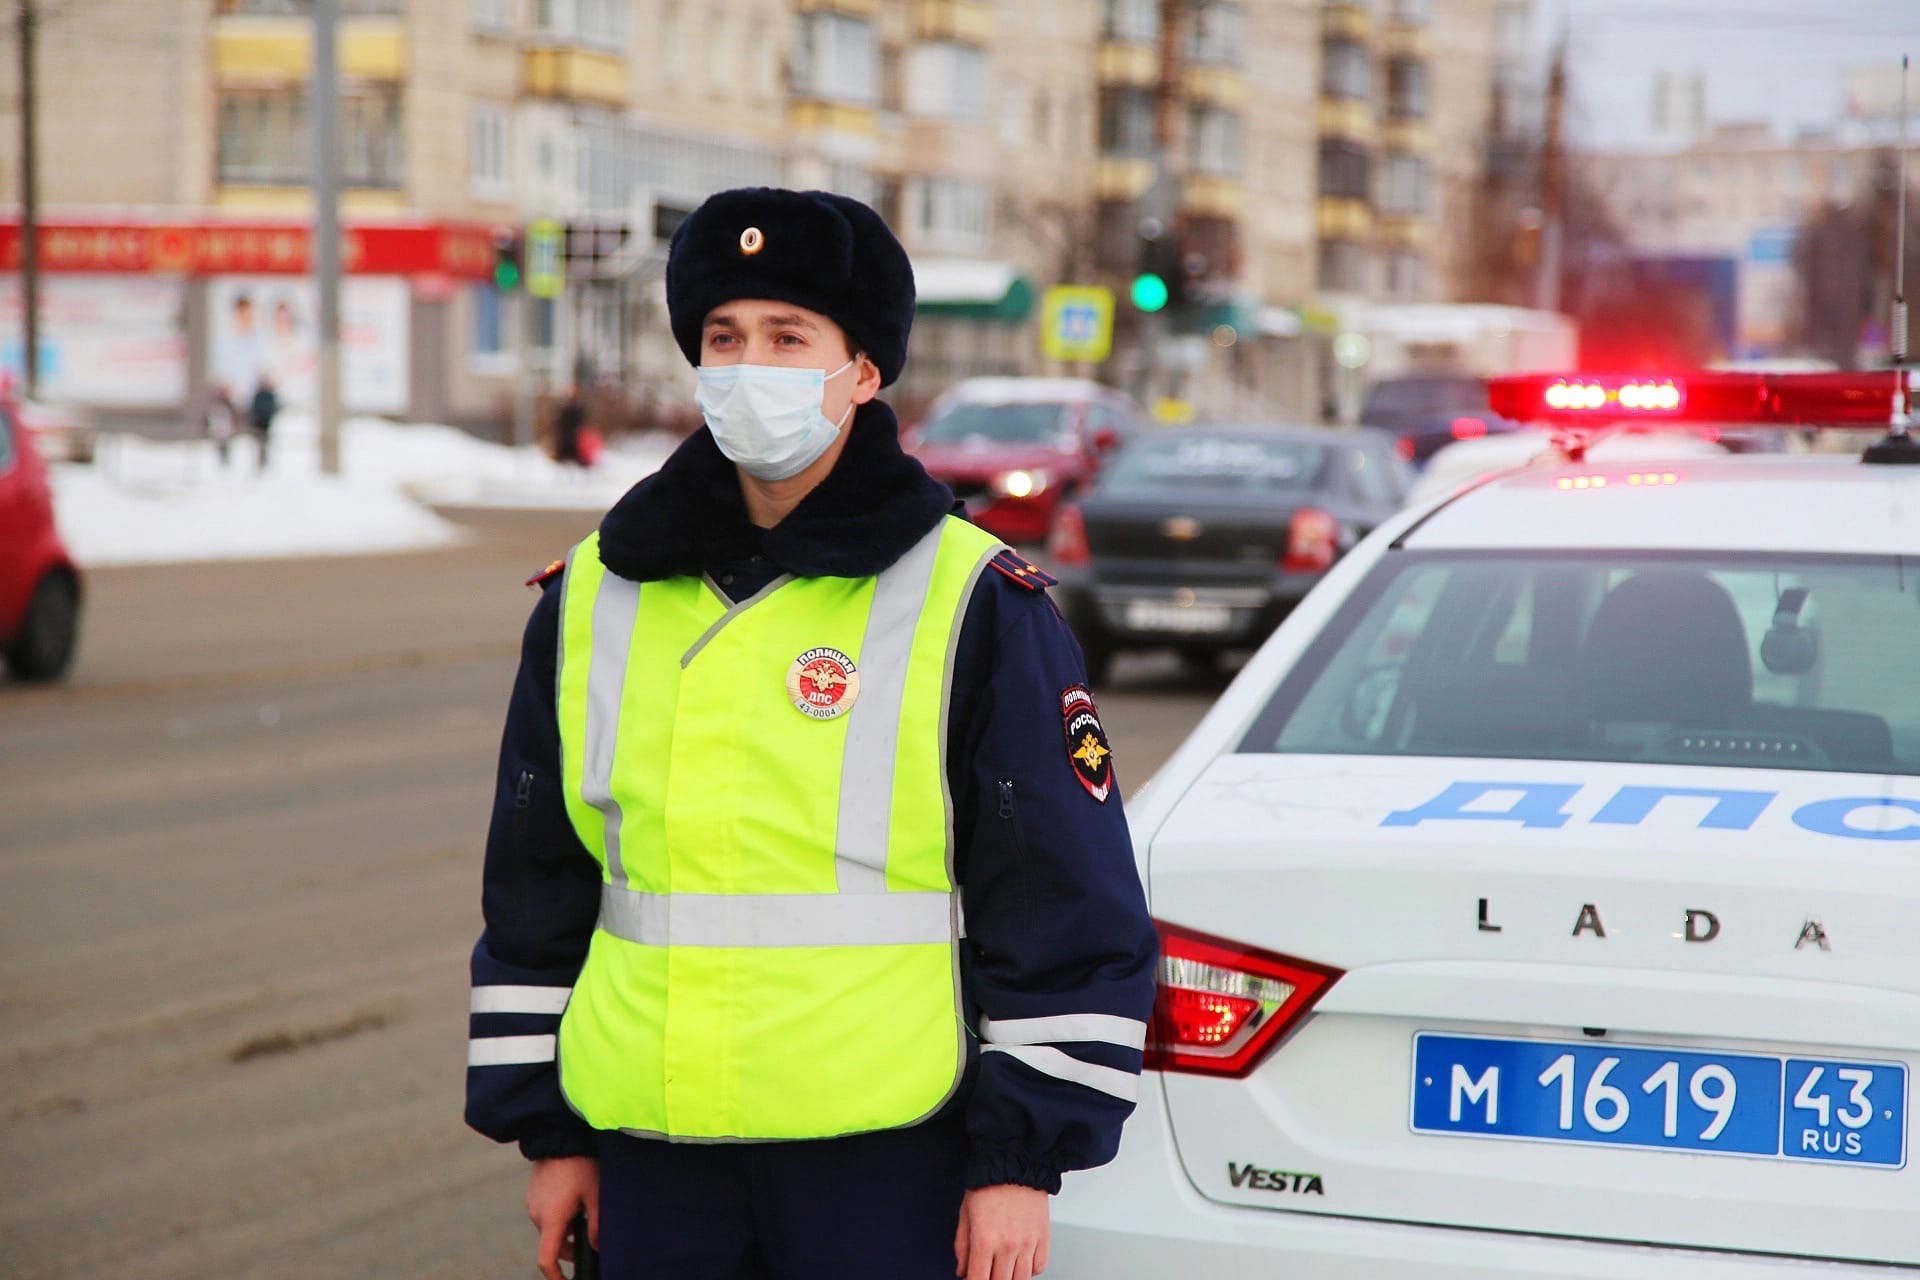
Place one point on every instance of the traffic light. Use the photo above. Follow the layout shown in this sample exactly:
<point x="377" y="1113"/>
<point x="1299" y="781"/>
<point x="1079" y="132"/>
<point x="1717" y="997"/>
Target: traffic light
<point x="507" y="272"/>
<point x="1149" y="291"/>
<point x="1161" y="280"/>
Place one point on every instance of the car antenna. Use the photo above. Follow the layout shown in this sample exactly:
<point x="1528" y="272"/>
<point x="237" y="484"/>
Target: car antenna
<point x="1899" y="445"/>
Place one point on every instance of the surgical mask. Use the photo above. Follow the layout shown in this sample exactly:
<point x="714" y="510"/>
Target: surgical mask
<point x="768" y="419"/>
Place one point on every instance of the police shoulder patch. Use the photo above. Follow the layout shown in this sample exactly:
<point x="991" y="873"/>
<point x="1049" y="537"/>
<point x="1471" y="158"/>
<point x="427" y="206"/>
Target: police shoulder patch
<point x="547" y="574"/>
<point x="1023" y="571"/>
<point x="1088" y="751"/>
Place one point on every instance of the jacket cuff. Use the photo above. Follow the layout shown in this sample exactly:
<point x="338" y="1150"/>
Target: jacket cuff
<point x="1011" y="1166"/>
<point x="558" y="1142"/>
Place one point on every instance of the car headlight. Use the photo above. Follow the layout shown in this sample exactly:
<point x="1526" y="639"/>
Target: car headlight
<point x="1020" y="484"/>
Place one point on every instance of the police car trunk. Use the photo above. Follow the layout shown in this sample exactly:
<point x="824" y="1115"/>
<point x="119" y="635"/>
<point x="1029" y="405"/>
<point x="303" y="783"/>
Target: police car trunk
<point x="1565" y="878"/>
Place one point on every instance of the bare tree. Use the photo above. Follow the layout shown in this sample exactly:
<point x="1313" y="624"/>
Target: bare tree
<point x="1843" y="266"/>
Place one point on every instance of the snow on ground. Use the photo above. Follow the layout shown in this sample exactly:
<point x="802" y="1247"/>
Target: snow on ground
<point x="145" y="502"/>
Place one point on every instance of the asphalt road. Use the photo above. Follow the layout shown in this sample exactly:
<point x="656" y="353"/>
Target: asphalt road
<point x="239" y="878"/>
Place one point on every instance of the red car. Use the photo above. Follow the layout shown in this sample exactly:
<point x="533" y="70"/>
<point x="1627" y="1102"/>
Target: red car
<point x="1014" y="448"/>
<point x="39" y="585"/>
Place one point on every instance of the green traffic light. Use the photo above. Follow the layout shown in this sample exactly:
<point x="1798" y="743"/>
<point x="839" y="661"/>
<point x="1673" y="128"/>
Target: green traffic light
<point x="1149" y="292"/>
<point x="506" y="275"/>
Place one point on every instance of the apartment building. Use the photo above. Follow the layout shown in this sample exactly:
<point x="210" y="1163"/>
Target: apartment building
<point x="1308" y="155"/>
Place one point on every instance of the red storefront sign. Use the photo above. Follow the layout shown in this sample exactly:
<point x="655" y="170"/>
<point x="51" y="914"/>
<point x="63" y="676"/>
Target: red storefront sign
<point x="462" y="251"/>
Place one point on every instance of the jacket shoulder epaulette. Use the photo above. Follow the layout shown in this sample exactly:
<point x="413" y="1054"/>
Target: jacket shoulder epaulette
<point x="547" y="574"/>
<point x="1023" y="571"/>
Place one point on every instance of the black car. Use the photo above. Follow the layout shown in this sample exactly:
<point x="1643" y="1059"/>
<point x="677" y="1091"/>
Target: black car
<point x="1426" y="412"/>
<point x="1202" y="539"/>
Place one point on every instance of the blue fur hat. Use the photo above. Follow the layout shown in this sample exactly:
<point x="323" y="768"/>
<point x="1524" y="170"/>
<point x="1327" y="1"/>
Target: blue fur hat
<point x="825" y="252"/>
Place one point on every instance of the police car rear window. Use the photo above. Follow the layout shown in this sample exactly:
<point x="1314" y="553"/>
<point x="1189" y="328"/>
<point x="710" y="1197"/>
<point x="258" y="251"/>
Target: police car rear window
<point x="1781" y="662"/>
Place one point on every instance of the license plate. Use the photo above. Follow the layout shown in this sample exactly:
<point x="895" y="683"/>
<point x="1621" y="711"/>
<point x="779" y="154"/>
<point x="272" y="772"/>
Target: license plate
<point x="1840" y="1112"/>
<point x="1153" y="615"/>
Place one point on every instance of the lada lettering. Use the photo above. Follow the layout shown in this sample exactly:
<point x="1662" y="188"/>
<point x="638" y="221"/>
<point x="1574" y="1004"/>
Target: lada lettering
<point x="1547" y="806"/>
<point x="1698" y="925"/>
<point x="1254" y="1179"/>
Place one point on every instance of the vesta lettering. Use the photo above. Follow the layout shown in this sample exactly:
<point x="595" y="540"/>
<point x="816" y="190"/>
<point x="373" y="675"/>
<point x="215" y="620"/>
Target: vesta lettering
<point x="1279" y="1180"/>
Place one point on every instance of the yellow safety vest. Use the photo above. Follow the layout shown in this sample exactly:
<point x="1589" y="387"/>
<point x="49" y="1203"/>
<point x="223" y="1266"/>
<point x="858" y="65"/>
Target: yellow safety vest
<point x="764" y="786"/>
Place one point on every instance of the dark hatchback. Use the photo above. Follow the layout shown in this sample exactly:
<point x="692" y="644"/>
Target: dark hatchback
<point x="1203" y="539"/>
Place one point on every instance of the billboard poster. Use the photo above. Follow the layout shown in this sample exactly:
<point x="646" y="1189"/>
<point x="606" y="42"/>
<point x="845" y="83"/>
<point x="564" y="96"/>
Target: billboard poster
<point x="113" y="341"/>
<point x="265" y="328"/>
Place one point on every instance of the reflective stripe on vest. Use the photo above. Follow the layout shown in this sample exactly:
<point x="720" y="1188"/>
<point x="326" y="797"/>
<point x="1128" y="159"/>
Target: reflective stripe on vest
<point x="792" y="876"/>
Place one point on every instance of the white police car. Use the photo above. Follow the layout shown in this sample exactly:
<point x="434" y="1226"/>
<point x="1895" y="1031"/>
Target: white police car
<point x="1544" y="898"/>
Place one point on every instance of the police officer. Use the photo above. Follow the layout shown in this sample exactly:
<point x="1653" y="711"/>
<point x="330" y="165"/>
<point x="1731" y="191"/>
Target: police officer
<point x="814" y="945"/>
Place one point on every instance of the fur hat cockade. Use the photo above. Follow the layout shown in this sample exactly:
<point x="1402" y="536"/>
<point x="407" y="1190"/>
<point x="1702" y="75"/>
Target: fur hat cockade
<point x="825" y="252"/>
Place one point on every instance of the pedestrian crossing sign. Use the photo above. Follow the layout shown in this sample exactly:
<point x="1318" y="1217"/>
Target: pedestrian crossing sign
<point x="1076" y="322"/>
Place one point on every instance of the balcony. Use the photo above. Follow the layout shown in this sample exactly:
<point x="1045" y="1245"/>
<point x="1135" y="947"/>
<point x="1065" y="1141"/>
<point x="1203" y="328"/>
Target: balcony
<point x="1407" y="135"/>
<point x="1399" y="40"/>
<point x="847" y="8"/>
<point x="1344" y="218"/>
<point x="1406" y="231"/>
<point x="1216" y="86"/>
<point x="1134" y="66"/>
<point x="1121" y="178"/>
<point x="1350" y="119"/>
<point x="575" y="75"/>
<point x="816" y="116"/>
<point x="962" y="21"/>
<point x="271" y="51"/>
<point x="1213" y="197"/>
<point x="1350" y="19"/>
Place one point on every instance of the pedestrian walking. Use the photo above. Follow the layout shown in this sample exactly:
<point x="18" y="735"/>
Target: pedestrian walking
<point x="568" y="424"/>
<point x="814" y="947"/>
<point x="261" y="411"/>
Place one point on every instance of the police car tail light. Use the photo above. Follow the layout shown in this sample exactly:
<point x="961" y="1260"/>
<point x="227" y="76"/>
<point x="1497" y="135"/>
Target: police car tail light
<point x="1221" y="1007"/>
<point x="1313" y="541"/>
<point x="1067" y="544"/>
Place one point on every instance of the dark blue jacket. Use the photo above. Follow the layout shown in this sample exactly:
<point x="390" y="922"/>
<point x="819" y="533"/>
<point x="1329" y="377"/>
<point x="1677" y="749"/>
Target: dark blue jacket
<point x="1057" y="926"/>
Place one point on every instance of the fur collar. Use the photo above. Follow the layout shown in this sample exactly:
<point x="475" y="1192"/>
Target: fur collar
<point x="689" y="516"/>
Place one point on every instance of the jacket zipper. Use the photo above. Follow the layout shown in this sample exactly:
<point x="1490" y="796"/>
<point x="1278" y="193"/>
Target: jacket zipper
<point x="522" y="803"/>
<point x="1010" y="815"/>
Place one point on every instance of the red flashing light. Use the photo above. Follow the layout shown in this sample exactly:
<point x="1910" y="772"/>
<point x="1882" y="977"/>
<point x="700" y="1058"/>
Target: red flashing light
<point x="1745" y="399"/>
<point x="1405" y="447"/>
<point x="1313" y="541"/>
<point x="1221" y="1007"/>
<point x="1469" y="428"/>
<point x="1067" y="544"/>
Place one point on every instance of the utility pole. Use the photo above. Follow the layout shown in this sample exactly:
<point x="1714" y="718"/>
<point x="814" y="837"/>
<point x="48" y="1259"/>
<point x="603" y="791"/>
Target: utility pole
<point x="1546" y="289"/>
<point x="326" y="222"/>
<point x="29" y="201"/>
<point x="1159" y="206"/>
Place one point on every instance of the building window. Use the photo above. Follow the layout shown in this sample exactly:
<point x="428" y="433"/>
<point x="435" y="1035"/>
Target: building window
<point x="852" y="180"/>
<point x="600" y="24"/>
<point x="946" y="81"/>
<point x="1126" y="122"/>
<point x="265" y="138"/>
<point x="1406" y="89"/>
<point x="1410" y="13"/>
<point x="348" y="8"/>
<point x="1406" y="274"/>
<point x="1214" y="142"/>
<point x="603" y="161"/>
<point x="1348" y="70"/>
<point x="493" y="17"/>
<point x="887" y="201"/>
<point x="1403" y="185"/>
<point x="952" y="212"/>
<point x="893" y="94"/>
<point x="489" y="336"/>
<point x="836" y="59"/>
<point x="488" y="175"/>
<point x="1345" y="170"/>
<point x="1130" y="21"/>
<point x="1217" y="36"/>
<point x="1343" y="266"/>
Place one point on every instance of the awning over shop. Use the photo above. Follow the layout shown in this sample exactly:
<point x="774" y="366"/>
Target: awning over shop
<point x="971" y="289"/>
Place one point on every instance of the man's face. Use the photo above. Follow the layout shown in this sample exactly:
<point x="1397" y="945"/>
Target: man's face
<point x="761" y="331"/>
